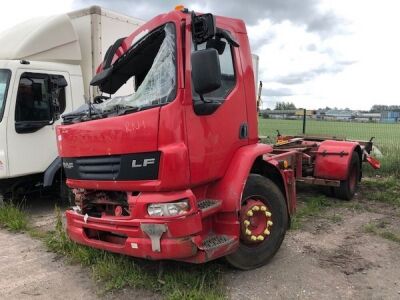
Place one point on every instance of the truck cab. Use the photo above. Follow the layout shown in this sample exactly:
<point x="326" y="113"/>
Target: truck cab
<point x="176" y="170"/>
<point x="33" y="96"/>
<point x="161" y="174"/>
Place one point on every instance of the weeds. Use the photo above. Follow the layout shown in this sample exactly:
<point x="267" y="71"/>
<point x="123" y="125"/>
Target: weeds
<point x="312" y="207"/>
<point x="172" y="280"/>
<point x="13" y="217"/>
<point x="379" y="230"/>
<point x="385" y="189"/>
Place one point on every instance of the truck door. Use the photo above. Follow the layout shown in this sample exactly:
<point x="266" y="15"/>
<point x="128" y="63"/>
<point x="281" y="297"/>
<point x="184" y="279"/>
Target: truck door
<point x="31" y="126"/>
<point x="217" y="129"/>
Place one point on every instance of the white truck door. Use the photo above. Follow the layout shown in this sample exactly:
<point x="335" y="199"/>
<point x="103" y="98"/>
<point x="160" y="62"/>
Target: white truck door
<point x="31" y="127"/>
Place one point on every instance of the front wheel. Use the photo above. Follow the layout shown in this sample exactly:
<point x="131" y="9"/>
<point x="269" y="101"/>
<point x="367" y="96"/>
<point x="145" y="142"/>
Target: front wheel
<point x="263" y="222"/>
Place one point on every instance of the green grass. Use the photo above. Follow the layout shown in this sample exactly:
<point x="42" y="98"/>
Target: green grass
<point x="13" y="217"/>
<point x="173" y="280"/>
<point x="387" y="136"/>
<point x="379" y="230"/>
<point x="313" y="206"/>
<point x="386" y="189"/>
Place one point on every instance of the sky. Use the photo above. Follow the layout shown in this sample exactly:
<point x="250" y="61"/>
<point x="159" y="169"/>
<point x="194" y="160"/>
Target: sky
<point x="314" y="53"/>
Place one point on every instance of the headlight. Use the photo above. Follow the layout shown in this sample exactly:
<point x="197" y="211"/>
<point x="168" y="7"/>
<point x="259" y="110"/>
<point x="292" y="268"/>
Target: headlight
<point x="168" y="209"/>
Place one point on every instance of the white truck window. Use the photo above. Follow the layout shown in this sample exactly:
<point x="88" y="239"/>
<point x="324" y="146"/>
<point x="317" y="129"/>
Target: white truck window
<point x="34" y="98"/>
<point x="4" y="81"/>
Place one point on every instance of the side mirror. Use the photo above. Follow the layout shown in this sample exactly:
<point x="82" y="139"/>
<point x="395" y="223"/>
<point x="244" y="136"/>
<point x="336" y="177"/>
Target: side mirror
<point x="206" y="71"/>
<point x="203" y="28"/>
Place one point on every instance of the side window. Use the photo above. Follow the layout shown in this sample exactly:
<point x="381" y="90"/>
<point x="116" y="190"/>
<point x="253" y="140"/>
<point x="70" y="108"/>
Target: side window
<point x="228" y="79"/>
<point x="36" y="96"/>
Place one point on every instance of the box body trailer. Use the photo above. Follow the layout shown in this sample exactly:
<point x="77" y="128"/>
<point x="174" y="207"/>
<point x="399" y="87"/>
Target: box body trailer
<point x="46" y="65"/>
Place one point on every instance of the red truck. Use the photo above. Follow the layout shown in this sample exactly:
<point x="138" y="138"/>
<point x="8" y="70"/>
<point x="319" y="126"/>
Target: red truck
<point x="177" y="170"/>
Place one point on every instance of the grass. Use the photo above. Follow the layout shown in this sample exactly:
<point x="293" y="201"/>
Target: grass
<point x="313" y="206"/>
<point x="13" y="217"/>
<point x="385" y="190"/>
<point x="172" y="280"/>
<point x="387" y="136"/>
<point x="379" y="230"/>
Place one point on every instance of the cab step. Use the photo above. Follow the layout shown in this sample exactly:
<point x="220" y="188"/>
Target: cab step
<point x="208" y="206"/>
<point x="216" y="241"/>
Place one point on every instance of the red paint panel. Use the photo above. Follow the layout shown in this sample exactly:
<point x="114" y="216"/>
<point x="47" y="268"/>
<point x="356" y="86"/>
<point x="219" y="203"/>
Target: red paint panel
<point x="230" y="187"/>
<point x="333" y="165"/>
<point x="132" y="133"/>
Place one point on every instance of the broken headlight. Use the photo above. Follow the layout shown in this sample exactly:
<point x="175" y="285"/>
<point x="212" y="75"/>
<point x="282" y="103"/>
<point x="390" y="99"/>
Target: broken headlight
<point x="168" y="209"/>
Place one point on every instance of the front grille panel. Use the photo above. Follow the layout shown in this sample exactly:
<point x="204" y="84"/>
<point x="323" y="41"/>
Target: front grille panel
<point x="138" y="166"/>
<point x="104" y="168"/>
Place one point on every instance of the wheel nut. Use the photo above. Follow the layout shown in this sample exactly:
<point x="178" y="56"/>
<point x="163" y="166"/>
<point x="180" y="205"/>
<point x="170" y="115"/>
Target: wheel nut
<point x="250" y="213"/>
<point x="253" y="238"/>
<point x="266" y="232"/>
<point x="248" y="232"/>
<point x="256" y="208"/>
<point x="263" y="208"/>
<point x="270" y="223"/>
<point x="268" y="214"/>
<point x="260" y="238"/>
<point x="246" y="223"/>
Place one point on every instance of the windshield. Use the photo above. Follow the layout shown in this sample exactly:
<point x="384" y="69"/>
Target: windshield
<point x="151" y="62"/>
<point x="4" y="81"/>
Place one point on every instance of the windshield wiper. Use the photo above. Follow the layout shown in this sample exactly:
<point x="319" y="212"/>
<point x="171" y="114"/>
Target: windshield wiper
<point x="128" y="110"/>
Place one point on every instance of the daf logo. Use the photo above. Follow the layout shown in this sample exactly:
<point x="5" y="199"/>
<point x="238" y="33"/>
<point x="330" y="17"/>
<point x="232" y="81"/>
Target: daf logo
<point x="68" y="165"/>
<point x="146" y="162"/>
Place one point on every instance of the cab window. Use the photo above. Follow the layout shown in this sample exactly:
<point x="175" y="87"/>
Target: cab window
<point x="228" y="79"/>
<point x="35" y="98"/>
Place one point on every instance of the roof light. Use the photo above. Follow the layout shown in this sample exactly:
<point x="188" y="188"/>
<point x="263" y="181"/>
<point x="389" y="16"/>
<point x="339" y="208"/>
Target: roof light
<point x="179" y="7"/>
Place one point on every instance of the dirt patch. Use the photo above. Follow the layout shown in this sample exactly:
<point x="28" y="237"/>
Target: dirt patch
<point x="332" y="256"/>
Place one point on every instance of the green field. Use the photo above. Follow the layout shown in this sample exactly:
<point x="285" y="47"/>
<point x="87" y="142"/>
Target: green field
<point x="387" y="136"/>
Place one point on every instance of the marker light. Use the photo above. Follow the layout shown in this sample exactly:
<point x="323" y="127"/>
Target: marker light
<point x="168" y="209"/>
<point x="180" y="7"/>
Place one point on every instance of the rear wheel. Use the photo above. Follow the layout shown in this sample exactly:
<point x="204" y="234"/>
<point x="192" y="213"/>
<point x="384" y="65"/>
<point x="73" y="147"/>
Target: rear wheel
<point x="263" y="222"/>
<point x="348" y="187"/>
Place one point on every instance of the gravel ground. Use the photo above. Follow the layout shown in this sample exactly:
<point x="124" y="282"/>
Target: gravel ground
<point x="328" y="258"/>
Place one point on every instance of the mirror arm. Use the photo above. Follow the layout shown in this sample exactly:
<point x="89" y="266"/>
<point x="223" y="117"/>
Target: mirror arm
<point x="225" y="34"/>
<point x="204" y="100"/>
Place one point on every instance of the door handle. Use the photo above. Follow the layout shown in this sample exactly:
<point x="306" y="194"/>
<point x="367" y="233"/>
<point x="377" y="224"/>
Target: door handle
<point x="243" y="131"/>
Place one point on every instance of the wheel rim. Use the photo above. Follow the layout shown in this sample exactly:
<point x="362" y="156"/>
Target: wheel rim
<point x="255" y="222"/>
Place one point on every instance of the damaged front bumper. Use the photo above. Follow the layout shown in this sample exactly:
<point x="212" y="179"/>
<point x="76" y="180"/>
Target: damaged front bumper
<point x="139" y="234"/>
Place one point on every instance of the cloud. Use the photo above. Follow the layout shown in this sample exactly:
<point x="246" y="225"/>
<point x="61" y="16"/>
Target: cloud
<point x="305" y="12"/>
<point x="301" y="77"/>
<point x="278" y="92"/>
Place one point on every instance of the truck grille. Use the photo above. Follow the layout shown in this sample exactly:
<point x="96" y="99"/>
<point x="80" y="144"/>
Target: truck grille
<point x="101" y="168"/>
<point x="138" y="166"/>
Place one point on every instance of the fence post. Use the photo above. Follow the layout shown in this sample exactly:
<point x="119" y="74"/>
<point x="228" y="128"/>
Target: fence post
<point x="304" y="121"/>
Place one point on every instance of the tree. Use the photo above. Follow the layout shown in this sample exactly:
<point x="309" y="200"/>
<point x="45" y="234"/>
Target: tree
<point x="284" y="106"/>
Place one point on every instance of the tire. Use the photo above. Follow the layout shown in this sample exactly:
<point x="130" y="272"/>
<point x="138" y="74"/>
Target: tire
<point x="348" y="187"/>
<point x="250" y="256"/>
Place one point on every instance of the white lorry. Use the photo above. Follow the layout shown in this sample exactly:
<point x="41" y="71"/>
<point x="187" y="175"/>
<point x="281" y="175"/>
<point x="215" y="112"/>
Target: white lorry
<point x="46" y="65"/>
